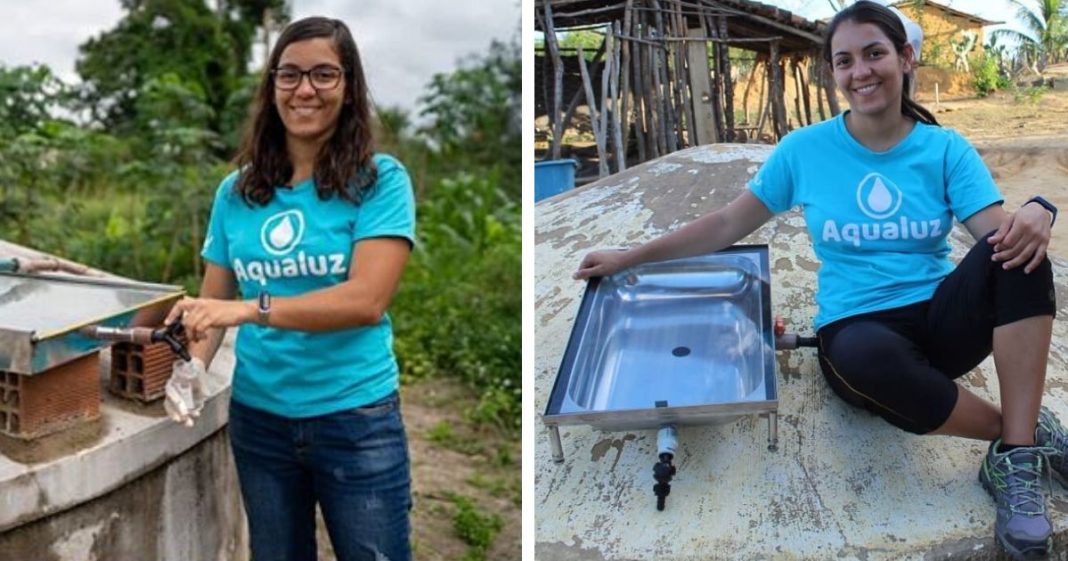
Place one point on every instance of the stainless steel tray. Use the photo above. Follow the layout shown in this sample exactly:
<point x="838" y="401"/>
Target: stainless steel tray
<point x="40" y="315"/>
<point x="688" y="341"/>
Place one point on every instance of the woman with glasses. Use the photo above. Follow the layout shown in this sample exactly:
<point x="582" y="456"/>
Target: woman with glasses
<point x="313" y="230"/>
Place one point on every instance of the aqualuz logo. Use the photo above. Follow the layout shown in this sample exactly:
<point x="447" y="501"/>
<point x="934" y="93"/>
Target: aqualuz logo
<point x="880" y="199"/>
<point x="282" y="232"/>
<point x="280" y="235"/>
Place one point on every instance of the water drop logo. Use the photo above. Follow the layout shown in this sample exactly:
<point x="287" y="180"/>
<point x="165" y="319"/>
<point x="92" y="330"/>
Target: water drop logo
<point x="878" y="197"/>
<point x="282" y="232"/>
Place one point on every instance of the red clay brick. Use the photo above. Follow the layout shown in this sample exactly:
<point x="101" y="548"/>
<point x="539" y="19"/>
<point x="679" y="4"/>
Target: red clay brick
<point x="140" y="372"/>
<point x="33" y="406"/>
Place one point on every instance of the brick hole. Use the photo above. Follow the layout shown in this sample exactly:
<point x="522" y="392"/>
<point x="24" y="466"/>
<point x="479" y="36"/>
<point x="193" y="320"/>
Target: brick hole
<point x="13" y="399"/>
<point x="13" y="379"/>
<point x="118" y="360"/>
<point x="3" y="419"/>
<point x="13" y="423"/>
<point x="138" y="364"/>
<point x="136" y="385"/>
<point x="120" y="382"/>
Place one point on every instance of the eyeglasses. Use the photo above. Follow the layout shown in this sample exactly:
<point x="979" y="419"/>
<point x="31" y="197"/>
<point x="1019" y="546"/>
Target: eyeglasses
<point x="322" y="77"/>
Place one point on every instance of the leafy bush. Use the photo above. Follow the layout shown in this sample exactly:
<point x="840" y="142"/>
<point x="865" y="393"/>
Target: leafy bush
<point x="986" y="76"/>
<point x="458" y="309"/>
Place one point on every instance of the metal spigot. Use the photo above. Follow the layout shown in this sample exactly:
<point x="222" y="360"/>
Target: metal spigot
<point x="143" y="336"/>
<point x="664" y="470"/>
<point x="786" y="341"/>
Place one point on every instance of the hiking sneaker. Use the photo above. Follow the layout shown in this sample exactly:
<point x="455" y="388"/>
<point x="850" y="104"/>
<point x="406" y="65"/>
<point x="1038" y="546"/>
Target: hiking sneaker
<point x="1050" y="433"/>
<point x="1014" y="479"/>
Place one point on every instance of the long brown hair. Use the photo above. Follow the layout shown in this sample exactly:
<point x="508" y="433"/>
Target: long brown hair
<point x="880" y="16"/>
<point x="343" y="166"/>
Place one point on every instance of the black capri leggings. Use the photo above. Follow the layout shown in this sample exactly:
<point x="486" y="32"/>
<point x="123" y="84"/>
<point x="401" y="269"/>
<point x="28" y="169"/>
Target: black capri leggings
<point x="900" y="363"/>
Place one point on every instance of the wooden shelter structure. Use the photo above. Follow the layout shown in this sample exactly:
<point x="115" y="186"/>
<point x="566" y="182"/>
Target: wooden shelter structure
<point x="662" y="81"/>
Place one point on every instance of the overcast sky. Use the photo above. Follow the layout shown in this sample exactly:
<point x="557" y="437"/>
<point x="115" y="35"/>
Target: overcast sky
<point x="403" y="42"/>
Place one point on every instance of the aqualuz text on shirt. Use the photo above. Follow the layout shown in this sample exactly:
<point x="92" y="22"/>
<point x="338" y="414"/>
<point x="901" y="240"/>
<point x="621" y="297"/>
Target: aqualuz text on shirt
<point x="290" y="267"/>
<point x="880" y="199"/>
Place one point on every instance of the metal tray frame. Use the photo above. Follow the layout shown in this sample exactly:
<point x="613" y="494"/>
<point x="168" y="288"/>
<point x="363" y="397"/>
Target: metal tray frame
<point x="655" y="417"/>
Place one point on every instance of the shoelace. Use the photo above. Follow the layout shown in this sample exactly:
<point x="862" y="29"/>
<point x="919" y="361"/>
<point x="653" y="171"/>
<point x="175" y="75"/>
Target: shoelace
<point x="1057" y="436"/>
<point x="1022" y="492"/>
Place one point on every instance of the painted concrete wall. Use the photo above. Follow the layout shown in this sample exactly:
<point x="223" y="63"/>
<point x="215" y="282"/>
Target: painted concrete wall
<point x="939" y="28"/>
<point x="843" y="484"/>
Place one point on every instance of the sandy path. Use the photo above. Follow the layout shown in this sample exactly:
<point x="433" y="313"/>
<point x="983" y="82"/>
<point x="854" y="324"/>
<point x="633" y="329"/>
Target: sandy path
<point x="1024" y="141"/>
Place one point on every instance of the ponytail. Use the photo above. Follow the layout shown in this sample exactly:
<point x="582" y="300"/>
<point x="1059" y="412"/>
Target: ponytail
<point x="910" y="108"/>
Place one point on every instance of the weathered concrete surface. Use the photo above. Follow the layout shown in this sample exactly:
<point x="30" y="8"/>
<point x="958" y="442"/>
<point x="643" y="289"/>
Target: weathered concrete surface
<point x="134" y="486"/>
<point x="843" y="485"/>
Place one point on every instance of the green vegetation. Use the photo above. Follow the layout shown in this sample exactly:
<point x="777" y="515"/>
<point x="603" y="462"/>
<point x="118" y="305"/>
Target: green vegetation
<point x="119" y="172"/>
<point x="986" y="75"/>
<point x="443" y="435"/>
<point x="1044" y="39"/>
<point x="476" y="529"/>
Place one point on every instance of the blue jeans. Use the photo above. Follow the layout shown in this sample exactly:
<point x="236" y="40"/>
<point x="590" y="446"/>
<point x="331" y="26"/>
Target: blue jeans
<point x="353" y="463"/>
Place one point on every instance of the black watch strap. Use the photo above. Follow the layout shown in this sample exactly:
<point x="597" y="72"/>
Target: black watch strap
<point x="263" y="307"/>
<point x="1046" y="205"/>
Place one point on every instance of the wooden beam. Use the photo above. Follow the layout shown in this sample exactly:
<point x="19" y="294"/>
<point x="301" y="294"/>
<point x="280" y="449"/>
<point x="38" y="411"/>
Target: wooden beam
<point x="728" y="83"/>
<point x="558" y="83"/>
<point x="704" y="100"/>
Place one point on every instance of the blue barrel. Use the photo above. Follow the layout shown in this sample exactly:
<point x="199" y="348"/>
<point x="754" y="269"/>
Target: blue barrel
<point x="552" y="177"/>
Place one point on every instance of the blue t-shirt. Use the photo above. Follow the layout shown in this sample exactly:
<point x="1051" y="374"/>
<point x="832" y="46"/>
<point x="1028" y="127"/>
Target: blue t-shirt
<point x="878" y="220"/>
<point x="297" y="244"/>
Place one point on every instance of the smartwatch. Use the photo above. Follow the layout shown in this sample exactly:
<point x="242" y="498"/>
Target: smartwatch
<point x="263" y="307"/>
<point x="1046" y="205"/>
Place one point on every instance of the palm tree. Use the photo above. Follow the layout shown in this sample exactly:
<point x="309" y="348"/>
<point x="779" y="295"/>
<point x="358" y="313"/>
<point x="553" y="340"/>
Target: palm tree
<point x="1046" y="31"/>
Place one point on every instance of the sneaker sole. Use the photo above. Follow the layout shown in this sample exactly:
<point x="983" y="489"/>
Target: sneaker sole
<point x="1030" y="554"/>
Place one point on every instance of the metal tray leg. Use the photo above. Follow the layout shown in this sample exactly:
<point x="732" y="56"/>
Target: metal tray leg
<point x="557" y="446"/>
<point x="773" y="431"/>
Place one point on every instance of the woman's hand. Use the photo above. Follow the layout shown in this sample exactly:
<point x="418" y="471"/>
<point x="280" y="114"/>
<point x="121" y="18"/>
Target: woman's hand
<point x="601" y="264"/>
<point x="198" y="315"/>
<point x="1022" y="238"/>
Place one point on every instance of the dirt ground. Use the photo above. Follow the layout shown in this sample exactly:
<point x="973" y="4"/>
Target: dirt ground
<point x="479" y="463"/>
<point x="1024" y="142"/>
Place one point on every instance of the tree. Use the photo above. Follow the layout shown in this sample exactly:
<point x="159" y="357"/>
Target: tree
<point x="157" y="37"/>
<point x="1045" y="34"/>
<point x="475" y="113"/>
<point x="28" y="96"/>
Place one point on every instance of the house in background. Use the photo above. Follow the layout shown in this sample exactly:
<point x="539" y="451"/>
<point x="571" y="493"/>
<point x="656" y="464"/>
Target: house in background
<point x="948" y="34"/>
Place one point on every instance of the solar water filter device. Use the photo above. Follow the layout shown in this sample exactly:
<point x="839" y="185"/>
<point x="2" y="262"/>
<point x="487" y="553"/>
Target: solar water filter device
<point x="689" y="341"/>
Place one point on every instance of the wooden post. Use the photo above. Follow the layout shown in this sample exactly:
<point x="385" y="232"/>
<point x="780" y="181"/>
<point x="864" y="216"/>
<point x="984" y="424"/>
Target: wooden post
<point x="617" y="115"/>
<point x="827" y="80"/>
<point x="704" y="100"/>
<point x="748" y="86"/>
<point x="778" y="93"/>
<point x="717" y="79"/>
<point x="598" y="132"/>
<point x="805" y="96"/>
<point x="795" y="73"/>
<point x="728" y="82"/>
<point x="817" y="73"/>
<point x="558" y="82"/>
<point x="653" y="109"/>
<point x="668" y="118"/>
<point x="580" y="95"/>
<point x="684" y="86"/>
<point x="624" y="68"/>
<point x="641" y="123"/>
<point x="606" y="108"/>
